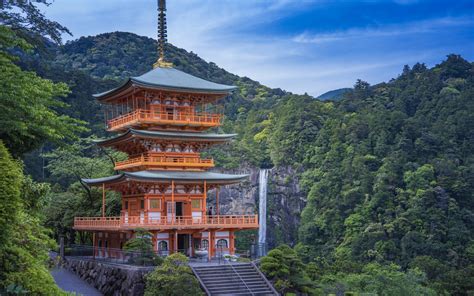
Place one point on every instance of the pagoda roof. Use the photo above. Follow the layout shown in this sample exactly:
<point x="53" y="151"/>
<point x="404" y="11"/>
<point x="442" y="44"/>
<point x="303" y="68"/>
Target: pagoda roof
<point x="166" y="135"/>
<point x="166" y="176"/>
<point x="170" y="79"/>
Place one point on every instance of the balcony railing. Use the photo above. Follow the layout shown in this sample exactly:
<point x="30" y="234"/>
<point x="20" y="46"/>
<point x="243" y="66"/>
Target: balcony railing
<point x="141" y="116"/>
<point x="164" y="161"/>
<point x="184" y="222"/>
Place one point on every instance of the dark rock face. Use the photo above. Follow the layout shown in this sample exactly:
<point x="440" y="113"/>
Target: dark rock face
<point x="111" y="280"/>
<point x="285" y="201"/>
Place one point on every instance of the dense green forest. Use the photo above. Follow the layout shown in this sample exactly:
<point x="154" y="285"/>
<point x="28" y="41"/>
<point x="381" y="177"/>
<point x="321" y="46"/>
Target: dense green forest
<point x="388" y="169"/>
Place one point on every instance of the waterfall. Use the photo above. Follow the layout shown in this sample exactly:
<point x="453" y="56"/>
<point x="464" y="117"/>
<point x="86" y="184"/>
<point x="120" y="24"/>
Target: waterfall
<point x="262" y="212"/>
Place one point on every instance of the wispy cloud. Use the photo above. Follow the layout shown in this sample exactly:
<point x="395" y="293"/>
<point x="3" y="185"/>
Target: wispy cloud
<point x="419" y="27"/>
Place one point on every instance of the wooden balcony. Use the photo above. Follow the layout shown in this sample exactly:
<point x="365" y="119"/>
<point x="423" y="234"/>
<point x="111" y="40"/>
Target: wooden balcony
<point x="163" y="162"/>
<point x="142" y="117"/>
<point x="167" y="223"/>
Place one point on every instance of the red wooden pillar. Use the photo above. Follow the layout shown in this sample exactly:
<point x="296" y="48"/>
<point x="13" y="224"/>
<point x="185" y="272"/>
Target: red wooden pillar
<point x="103" y="200"/>
<point x="231" y="242"/>
<point x="93" y="245"/>
<point x="204" y="202"/>
<point x="176" y="241"/>
<point x="173" y="205"/>
<point x="211" y="244"/>
<point x="154" y="241"/>
<point x="217" y="200"/>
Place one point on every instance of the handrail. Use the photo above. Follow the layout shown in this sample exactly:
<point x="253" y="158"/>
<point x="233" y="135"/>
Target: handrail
<point x="164" y="160"/>
<point x="165" y="117"/>
<point x="264" y="278"/>
<point x="241" y="279"/>
<point x="166" y="221"/>
<point x="200" y="280"/>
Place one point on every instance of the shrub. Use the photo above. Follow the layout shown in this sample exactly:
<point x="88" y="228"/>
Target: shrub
<point x="173" y="277"/>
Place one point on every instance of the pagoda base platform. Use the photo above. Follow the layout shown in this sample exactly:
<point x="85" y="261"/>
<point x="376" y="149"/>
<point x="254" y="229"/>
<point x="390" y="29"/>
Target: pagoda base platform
<point x="197" y="243"/>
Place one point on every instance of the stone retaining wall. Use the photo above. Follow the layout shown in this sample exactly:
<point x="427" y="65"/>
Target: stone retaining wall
<point x="110" y="279"/>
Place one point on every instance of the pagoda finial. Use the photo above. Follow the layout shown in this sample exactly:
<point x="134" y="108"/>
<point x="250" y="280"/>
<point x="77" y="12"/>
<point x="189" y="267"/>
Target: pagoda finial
<point x="162" y="34"/>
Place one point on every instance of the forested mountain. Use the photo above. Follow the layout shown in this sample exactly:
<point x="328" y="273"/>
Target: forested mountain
<point x="388" y="170"/>
<point x="334" y="95"/>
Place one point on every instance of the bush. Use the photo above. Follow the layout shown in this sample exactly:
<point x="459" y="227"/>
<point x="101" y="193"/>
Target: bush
<point x="377" y="279"/>
<point x="141" y="249"/>
<point x="173" y="277"/>
<point x="285" y="269"/>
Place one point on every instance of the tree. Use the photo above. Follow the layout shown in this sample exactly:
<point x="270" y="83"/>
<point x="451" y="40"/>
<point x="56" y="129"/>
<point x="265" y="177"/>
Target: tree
<point x="28" y="104"/>
<point x="286" y="270"/>
<point x="24" y="241"/>
<point x="25" y="18"/>
<point x="173" y="277"/>
<point x="389" y="178"/>
<point x="141" y="249"/>
<point x="70" y="196"/>
<point x="377" y="280"/>
<point x="10" y="185"/>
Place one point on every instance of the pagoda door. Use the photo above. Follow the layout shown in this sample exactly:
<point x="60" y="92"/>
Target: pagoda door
<point x="170" y="113"/>
<point x="133" y="211"/>
<point x="156" y="110"/>
<point x="170" y="210"/>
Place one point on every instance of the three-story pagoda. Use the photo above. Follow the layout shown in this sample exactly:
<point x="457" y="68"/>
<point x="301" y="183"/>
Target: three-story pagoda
<point x="162" y="119"/>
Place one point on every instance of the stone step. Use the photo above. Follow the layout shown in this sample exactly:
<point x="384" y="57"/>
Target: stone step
<point x="237" y="279"/>
<point x="232" y="284"/>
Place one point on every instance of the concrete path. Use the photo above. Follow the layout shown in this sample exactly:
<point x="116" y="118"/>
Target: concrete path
<point x="70" y="282"/>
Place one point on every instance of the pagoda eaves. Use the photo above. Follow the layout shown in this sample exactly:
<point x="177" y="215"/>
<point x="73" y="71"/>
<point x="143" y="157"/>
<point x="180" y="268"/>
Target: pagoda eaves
<point x="168" y="176"/>
<point x="168" y="79"/>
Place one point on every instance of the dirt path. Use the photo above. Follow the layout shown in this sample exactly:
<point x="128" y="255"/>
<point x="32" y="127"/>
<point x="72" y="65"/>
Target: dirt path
<point x="70" y="282"/>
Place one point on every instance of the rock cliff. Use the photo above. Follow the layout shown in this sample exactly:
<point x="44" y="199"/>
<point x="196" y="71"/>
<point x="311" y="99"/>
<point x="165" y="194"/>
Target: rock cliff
<point x="285" y="201"/>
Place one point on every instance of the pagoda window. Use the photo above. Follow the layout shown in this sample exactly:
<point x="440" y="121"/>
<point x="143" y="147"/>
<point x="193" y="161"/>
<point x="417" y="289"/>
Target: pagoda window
<point x="196" y="203"/>
<point x="126" y="205"/>
<point x="142" y="204"/>
<point x="163" y="246"/>
<point x="205" y="244"/>
<point x="155" y="204"/>
<point x="222" y="243"/>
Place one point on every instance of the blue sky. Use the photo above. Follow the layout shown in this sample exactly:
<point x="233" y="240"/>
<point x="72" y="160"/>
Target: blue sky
<point x="301" y="46"/>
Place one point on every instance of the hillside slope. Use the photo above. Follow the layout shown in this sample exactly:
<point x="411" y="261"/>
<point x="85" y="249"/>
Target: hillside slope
<point x="334" y="95"/>
<point x="385" y="175"/>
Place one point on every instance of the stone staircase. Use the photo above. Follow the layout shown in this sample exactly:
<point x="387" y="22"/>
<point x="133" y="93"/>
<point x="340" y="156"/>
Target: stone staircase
<point x="233" y="279"/>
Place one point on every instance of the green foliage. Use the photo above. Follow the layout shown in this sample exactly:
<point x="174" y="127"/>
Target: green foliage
<point x="10" y="185"/>
<point x="70" y="196"/>
<point x="141" y="242"/>
<point x="173" y="277"/>
<point x="286" y="270"/>
<point x="376" y="279"/>
<point x="141" y="246"/>
<point x="26" y="18"/>
<point x="24" y="241"/>
<point x="389" y="177"/>
<point x="28" y="105"/>
<point x="245" y="238"/>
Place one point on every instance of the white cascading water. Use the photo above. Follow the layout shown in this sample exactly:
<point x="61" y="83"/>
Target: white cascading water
<point x="262" y="212"/>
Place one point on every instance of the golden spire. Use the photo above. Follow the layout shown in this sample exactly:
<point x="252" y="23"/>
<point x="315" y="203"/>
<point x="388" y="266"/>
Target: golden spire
<point x="162" y="34"/>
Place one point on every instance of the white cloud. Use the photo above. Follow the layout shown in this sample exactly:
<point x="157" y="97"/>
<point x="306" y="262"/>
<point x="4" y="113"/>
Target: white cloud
<point x="426" y="26"/>
<point x="223" y="31"/>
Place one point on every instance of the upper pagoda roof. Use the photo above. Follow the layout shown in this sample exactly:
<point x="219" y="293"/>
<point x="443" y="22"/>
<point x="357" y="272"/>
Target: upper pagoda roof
<point x="167" y="176"/>
<point x="170" y="79"/>
<point x="165" y="135"/>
